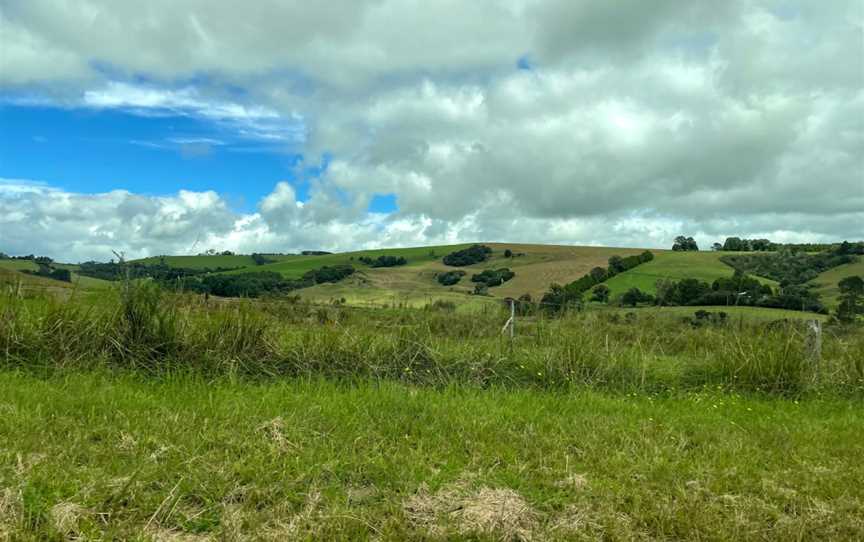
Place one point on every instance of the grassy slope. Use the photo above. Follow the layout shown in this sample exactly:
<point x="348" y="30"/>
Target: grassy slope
<point x="704" y="266"/>
<point x="826" y="283"/>
<point x="114" y="457"/>
<point x="201" y="262"/>
<point x="748" y="314"/>
<point x="9" y="272"/>
<point x="415" y="284"/>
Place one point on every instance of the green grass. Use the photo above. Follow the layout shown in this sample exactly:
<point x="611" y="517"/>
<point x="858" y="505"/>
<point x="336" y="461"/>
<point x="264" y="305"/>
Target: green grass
<point x="747" y="314"/>
<point x="94" y="456"/>
<point x="18" y="265"/>
<point x="705" y="266"/>
<point x="78" y="281"/>
<point x="826" y="283"/>
<point x="295" y="267"/>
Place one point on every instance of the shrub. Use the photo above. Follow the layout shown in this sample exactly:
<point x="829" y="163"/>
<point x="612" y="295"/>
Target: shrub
<point x="469" y="256"/>
<point x="493" y="277"/>
<point x="383" y="261"/>
<point x="449" y="278"/>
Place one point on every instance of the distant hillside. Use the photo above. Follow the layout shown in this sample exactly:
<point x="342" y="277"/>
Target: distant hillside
<point x="826" y="283"/>
<point x="11" y="273"/>
<point x="705" y="266"/>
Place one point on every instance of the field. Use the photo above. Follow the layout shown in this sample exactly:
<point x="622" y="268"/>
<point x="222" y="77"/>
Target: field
<point x="414" y="284"/>
<point x="10" y="274"/>
<point x="101" y="456"/>
<point x="156" y="416"/>
<point x="826" y="283"/>
<point x="705" y="266"/>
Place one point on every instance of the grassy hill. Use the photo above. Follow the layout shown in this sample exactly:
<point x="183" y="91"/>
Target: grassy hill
<point x="667" y="264"/>
<point x="826" y="283"/>
<point x="10" y="273"/>
<point x="205" y="261"/>
<point x="536" y="267"/>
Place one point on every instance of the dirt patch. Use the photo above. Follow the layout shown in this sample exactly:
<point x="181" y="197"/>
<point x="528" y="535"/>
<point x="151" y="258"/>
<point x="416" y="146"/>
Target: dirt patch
<point x="491" y="511"/>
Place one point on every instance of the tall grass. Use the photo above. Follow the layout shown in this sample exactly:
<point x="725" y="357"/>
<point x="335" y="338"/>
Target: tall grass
<point x="145" y="329"/>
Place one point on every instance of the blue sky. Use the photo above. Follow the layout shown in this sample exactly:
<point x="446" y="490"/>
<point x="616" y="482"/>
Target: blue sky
<point x="91" y="151"/>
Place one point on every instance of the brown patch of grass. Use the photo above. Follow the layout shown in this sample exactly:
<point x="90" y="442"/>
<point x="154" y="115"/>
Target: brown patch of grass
<point x="500" y="512"/>
<point x="10" y="511"/>
<point x="66" y="516"/>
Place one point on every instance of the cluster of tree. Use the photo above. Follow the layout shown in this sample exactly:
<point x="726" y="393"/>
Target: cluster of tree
<point x="262" y="259"/>
<point x="739" y="289"/>
<point x="27" y="257"/>
<point x="449" y="278"/>
<point x="684" y="244"/>
<point x="383" y="261"/>
<point x="315" y="253"/>
<point x="136" y="270"/>
<point x="214" y="252"/>
<point x="48" y="270"/>
<point x="468" y="256"/>
<point x="788" y="266"/>
<point x="255" y="284"/>
<point x="635" y="296"/>
<point x="493" y="277"/>
<point x="332" y="273"/>
<point x="851" y="299"/>
<point x="736" y="244"/>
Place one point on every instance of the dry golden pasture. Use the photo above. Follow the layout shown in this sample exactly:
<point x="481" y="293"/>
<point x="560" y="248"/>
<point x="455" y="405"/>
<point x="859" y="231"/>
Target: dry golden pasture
<point x="536" y="268"/>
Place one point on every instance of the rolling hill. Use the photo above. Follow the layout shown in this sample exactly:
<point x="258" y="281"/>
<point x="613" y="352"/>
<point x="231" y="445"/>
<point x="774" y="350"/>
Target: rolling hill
<point x="826" y="283"/>
<point x="705" y="266"/>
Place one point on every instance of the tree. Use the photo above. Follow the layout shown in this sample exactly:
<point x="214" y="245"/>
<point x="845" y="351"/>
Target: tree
<point x="685" y="244"/>
<point x="508" y="253"/>
<point x="600" y="293"/>
<point x="616" y="265"/>
<point x="633" y="296"/>
<point x="851" y="294"/>
<point x="716" y="247"/>
<point x="598" y="274"/>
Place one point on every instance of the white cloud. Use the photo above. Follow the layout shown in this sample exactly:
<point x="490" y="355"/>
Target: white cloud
<point x="638" y="121"/>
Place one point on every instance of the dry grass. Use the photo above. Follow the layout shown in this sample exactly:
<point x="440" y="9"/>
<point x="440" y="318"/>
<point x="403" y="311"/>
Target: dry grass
<point x="499" y="512"/>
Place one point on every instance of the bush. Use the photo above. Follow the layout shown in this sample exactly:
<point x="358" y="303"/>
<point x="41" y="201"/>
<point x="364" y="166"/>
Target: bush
<point x="469" y="256"/>
<point x="383" y="261"/>
<point x="449" y="278"/>
<point x="333" y="273"/>
<point x="634" y="296"/>
<point x="493" y="277"/>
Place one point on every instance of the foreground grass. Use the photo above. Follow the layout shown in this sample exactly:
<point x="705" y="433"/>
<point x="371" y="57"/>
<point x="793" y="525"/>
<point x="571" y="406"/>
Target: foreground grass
<point x="99" y="456"/>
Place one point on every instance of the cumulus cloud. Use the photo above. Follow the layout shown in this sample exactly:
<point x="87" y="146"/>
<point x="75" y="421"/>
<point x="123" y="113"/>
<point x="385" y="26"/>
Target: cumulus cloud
<point x="633" y="122"/>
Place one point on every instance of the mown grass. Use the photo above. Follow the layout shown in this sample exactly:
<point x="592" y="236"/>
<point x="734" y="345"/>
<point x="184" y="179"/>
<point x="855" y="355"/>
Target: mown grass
<point x="92" y="455"/>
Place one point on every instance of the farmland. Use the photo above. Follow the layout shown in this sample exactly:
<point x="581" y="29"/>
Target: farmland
<point x="139" y="412"/>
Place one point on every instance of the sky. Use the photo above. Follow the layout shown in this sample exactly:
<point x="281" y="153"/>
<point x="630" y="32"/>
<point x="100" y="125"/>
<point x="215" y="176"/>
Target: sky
<point x="177" y="126"/>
